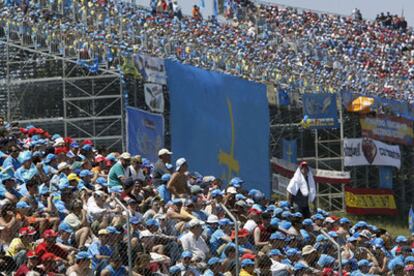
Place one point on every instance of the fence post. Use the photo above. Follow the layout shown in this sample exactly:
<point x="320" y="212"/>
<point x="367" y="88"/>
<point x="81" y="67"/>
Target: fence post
<point x="338" y="248"/>
<point x="128" y="235"/>
<point x="236" y="234"/>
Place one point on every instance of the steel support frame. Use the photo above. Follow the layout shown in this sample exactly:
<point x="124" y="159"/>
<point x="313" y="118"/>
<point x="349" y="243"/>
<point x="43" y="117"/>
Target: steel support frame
<point x="68" y="77"/>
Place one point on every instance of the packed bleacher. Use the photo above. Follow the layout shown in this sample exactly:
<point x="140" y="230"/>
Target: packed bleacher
<point x="61" y="213"/>
<point x="301" y="50"/>
<point x="59" y="198"/>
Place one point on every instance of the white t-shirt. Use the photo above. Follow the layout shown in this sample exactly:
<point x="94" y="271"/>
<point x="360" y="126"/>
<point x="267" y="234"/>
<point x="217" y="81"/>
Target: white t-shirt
<point x="250" y="225"/>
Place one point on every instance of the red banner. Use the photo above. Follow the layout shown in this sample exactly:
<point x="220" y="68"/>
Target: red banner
<point x="365" y="201"/>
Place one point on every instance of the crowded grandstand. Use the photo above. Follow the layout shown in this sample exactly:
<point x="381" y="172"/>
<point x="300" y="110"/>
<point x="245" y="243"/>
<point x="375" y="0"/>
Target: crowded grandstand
<point x="71" y="206"/>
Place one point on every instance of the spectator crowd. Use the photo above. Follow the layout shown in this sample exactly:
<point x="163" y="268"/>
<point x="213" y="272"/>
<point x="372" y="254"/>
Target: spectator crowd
<point x="60" y="211"/>
<point x="61" y="214"/>
<point x="299" y="50"/>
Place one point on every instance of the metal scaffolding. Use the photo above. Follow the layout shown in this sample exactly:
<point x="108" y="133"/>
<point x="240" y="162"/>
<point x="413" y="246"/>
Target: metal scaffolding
<point x="41" y="85"/>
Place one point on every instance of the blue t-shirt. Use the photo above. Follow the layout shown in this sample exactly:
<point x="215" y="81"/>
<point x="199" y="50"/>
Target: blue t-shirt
<point x="97" y="249"/>
<point x="10" y="161"/>
<point x="216" y="240"/>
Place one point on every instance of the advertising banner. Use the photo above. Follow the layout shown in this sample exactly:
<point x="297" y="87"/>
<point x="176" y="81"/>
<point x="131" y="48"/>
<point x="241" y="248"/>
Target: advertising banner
<point x="152" y="68"/>
<point x="287" y="169"/>
<point x="321" y="110"/>
<point x="365" y="151"/>
<point x="154" y="97"/>
<point x="145" y="132"/>
<point x="364" y="201"/>
<point x="388" y="129"/>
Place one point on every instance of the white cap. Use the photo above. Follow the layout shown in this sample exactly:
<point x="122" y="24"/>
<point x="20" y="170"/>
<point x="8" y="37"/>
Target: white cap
<point x="125" y="155"/>
<point x="212" y="219"/>
<point x="195" y="222"/>
<point x="59" y="142"/>
<point x="164" y="151"/>
<point x="181" y="161"/>
<point x="62" y="166"/>
<point x="231" y="190"/>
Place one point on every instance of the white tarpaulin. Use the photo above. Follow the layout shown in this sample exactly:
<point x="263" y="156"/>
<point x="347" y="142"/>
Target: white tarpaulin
<point x="365" y="151"/>
<point x="154" y="98"/>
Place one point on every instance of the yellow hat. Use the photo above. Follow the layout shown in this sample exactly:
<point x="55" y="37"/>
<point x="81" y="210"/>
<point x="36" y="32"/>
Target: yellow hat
<point x="73" y="176"/>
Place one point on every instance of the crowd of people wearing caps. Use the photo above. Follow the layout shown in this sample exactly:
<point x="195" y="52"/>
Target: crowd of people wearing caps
<point x="297" y="50"/>
<point x="59" y="215"/>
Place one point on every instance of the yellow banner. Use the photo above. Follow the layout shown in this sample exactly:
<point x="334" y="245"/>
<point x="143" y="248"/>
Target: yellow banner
<point x="369" y="201"/>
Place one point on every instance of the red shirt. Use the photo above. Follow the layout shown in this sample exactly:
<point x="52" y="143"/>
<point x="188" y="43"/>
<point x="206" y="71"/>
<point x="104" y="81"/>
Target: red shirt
<point x="43" y="248"/>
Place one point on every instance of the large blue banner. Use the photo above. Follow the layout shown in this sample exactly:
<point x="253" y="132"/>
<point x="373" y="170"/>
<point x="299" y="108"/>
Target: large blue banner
<point x="145" y="133"/>
<point x="320" y="109"/>
<point x="220" y="124"/>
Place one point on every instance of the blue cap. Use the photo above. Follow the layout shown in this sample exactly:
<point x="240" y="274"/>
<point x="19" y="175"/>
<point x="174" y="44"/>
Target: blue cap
<point x="332" y="234"/>
<point x="25" y="156"/>
<point x="236" y="182"/>
<point x="116" y="189"/>
<point x="298" y="215"/>
<point x="111" y="157"/>
<point x="364" y="262"/>
<point x="409" y="259"/>
<point x="285" y="224"/>
<point x="134" y="220"/>
<point x="378" y="242"/>
<point x="74" y="145"/>
<point x="286" y="214"/>
<point x="70" y="154"/>
<point x="344" y="220"/>
<point x="325" y="260"/>
<point x="37" y="154"/>
<point x="321" y="237"/>
<point x="277" y="236"/>
<point x="292" y="252"/>
<point x="83" y="255"/>
<point x="101" y="181"/>
<point x="216" y="192"/>
<point x="275" y="252"/>
<point x="351" y="239"/>
<point x="240" y="197"/>
<point x="253" y="192"/>
<point x="307" y="222"/>
<point x="213" y="261"/>
<point x="300" y="266"/>
<point x="55" y="136"/>
<point x="175" y="269"/>
<point x="394" y="263"/>
<point x="49" y="158"/>
<point x="277" y="211"/>
<point x="284" y="204"/>
<point x="87" y="147"/>
<point x="318" y="217"/>
<point x="22" y="205"/>
<point x="112" y="230"/>
<point x="186" y="254"/>
<point x="246" y="262"/>
<point x="166" y="177"/>
<point x="400" y="239"/>
<point x="151" y="222"/>
<point x="65" y="228"/>
<point x="84" y="173"/>
<point x="360" y="224"/>
<point x="225" y="221"/>
<point x="274" y="222"/>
